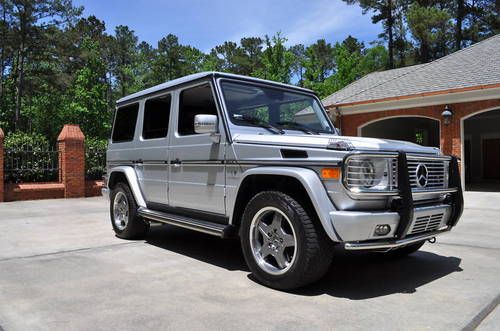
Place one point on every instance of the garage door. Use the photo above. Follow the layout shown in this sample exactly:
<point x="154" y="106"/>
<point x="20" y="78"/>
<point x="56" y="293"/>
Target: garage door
<point x="420" y="130"/>
<point x="491" y="158"/>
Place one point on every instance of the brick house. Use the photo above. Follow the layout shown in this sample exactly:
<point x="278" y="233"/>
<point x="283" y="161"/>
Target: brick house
<point x="452" y="103"/>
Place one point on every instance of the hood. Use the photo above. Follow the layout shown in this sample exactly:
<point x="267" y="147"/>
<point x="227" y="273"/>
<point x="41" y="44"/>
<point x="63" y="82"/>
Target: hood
<point x="322" y="141"/>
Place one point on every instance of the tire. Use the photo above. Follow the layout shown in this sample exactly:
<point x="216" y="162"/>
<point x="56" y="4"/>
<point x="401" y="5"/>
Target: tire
<point x="290" y="267"/>
<point x="125" y="221"/>
<point x="405" y="250"/>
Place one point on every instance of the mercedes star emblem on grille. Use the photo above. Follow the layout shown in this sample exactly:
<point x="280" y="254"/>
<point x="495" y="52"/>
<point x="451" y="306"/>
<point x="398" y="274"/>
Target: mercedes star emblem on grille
<point x="422" y="175"/>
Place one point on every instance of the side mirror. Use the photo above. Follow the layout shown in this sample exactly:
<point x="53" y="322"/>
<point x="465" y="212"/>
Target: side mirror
<point x="204" y="123"/>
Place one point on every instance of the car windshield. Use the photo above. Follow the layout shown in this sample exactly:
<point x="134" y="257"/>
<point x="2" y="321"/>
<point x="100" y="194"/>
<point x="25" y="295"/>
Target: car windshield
<point x="274" y="109"/>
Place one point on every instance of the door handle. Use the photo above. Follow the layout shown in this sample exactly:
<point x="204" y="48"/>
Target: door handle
<point x="176" y="163"/>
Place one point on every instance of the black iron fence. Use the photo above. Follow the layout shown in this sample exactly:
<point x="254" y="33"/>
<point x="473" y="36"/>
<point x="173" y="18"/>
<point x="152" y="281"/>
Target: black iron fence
<point x="31" y="164"/>
<point x="95" y="162"/>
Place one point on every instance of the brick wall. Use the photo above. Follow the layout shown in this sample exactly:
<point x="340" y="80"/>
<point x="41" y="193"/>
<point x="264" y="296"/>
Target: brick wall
<point x="450" y="134"/>
<point x="33" y="191"/>
<point x="72" y="183"/>
<point x="93" y="187"/>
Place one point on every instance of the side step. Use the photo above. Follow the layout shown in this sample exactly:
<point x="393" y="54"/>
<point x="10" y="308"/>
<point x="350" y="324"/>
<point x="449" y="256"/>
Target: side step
<point x="215" y="229"/>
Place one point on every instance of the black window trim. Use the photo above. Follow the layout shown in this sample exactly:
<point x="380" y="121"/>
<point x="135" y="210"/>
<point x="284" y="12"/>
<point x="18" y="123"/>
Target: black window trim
<point x="311" y="94"/>
<point x="124" y="105"/>
<point x="178" y="103"/>
<point x="156" y="96"/>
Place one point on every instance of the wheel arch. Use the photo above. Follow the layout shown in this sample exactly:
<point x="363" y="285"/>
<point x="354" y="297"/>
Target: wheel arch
<point x="304" y="183"/>
<point x="127" y="175"/>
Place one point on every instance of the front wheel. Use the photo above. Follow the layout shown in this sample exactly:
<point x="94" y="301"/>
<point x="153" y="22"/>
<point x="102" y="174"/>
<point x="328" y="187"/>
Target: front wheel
<point x="282" y="244"/>
<point x="123" y="211"/>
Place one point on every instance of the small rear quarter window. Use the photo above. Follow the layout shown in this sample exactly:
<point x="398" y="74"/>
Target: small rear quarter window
<point x="125" y="120"/>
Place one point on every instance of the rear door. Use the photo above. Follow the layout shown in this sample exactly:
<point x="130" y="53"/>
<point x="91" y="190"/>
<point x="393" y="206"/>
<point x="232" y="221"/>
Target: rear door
<point x="152" y="144"/>
<point x="197" y="169"/>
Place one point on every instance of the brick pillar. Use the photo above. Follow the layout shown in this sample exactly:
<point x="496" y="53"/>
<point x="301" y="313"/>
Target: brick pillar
<point x="72" y="160"/>
<point x="2" y="187"/>
<point x="450" y="137"/>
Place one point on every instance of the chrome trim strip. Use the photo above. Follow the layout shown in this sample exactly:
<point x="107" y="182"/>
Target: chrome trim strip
<point x="425" y="157"/>
<point x="359" y="195"/>
<point x="388" y="245"/>
<point x="183" y="222"/>
<point x="439" y="191"/>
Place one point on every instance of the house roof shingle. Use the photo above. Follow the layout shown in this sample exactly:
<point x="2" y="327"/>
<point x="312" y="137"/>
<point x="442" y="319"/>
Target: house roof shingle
<point x="477" y="65"/>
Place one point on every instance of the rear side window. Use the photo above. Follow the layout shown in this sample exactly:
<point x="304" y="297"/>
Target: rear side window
<point x="156" y="117"/>
<point x="125" y="120"/>
<point x="194" y="101"/>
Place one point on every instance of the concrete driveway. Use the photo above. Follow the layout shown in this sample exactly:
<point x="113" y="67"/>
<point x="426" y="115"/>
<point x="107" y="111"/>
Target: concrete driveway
<point x="61" y="268"/>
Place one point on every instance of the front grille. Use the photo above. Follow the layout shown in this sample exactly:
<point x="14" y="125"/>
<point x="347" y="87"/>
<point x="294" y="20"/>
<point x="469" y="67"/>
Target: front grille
<point x="426" y="223"/>
<point x="437" y="173"/>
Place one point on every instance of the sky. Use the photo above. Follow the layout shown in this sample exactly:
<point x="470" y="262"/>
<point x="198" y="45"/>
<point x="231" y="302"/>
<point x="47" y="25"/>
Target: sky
<point x="205" y="24"/>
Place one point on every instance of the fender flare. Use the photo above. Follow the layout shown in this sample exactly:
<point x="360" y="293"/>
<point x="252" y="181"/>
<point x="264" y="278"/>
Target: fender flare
<point x="133" y="182"/>
<point x="311" y="183"/>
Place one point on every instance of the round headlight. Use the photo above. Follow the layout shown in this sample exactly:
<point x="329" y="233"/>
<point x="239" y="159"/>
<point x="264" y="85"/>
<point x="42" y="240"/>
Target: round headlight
<point x="367" y="173"/>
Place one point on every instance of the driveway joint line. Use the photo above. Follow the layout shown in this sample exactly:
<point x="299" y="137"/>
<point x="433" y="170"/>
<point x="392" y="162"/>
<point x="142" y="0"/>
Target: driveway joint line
<point x="64" y="252"/>
<point x="476" y="321"/>
<point x="468" y="246"/>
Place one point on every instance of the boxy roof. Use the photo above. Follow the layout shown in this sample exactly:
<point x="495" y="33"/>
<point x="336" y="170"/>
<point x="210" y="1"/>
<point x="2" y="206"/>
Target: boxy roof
<point x="193" y="77"/>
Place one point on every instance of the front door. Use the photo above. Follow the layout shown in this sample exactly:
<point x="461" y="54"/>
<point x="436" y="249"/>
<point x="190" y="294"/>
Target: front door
<point x="197" y="169"/>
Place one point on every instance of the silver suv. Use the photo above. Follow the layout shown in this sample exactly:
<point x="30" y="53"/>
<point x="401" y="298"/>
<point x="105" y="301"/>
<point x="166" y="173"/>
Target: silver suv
<point x="230" y="155"/>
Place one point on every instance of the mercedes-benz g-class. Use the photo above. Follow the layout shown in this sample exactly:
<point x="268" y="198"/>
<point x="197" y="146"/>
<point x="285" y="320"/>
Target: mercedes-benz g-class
<point x="229" y="155"/>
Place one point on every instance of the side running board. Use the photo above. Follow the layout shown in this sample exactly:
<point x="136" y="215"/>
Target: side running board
<point x="215" y="229"/>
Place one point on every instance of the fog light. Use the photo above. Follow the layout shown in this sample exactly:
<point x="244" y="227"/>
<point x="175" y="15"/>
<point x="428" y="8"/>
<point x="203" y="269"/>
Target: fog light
<point x="382" y="229"/>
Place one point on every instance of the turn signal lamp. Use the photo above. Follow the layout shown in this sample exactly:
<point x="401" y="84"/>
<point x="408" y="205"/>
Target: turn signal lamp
<point x="330" y="173"/>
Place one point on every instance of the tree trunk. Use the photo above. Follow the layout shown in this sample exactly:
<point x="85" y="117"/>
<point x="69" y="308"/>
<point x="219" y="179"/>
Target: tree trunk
<point x="460" y="18"/>
<point x="390" y="25"/>
<point x="19" y="88"/>
<point x="20" y="67"/>
<point x="424" y="52"/>
<point x="2" y="55"/>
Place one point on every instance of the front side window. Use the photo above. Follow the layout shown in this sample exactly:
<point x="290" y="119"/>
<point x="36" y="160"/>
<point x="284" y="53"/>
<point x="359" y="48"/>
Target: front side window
<point x="156" y="117"/>
<point x="194" y="101"/>
<point x="125" y="120"/>
<point x="251" y="105"/>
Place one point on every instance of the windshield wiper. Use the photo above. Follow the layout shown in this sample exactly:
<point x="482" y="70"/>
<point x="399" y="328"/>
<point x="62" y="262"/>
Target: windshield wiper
<point x="296" y="126"/>
<point x="258" y="122"/>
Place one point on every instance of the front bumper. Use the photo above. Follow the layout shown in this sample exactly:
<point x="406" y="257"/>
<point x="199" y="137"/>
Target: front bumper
<point x="409" y="223"/>
<point x="360" y="225"/>
<point x="392" y="244"/>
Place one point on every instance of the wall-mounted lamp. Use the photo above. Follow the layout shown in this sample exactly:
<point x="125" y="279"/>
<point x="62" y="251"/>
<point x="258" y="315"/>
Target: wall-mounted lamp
<point x="447" y="114"/>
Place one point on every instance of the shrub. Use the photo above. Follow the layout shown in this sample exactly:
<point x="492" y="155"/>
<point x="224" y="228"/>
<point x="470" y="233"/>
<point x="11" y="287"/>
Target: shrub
<point x="95" y="158"/>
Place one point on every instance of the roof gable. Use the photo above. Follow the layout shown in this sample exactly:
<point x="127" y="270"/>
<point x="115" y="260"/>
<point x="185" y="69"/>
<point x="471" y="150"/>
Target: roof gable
<point x="477" y="65"/>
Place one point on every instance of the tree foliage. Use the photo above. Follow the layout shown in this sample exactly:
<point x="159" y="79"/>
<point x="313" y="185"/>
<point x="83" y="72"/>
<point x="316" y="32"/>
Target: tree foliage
<point x="57" y="66"/>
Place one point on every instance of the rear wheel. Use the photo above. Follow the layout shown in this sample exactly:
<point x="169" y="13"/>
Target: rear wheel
<point x="283" y="246"/>
<point x="123" y="211"/>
